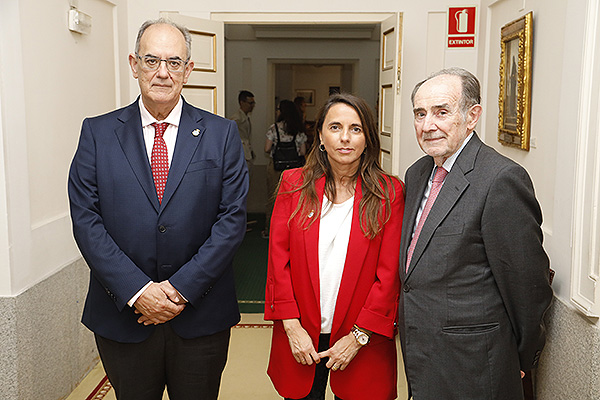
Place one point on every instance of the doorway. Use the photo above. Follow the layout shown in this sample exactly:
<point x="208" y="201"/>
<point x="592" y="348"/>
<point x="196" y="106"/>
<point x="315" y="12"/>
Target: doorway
<point x="310" y="37"/>
<point x="282" y="61"/>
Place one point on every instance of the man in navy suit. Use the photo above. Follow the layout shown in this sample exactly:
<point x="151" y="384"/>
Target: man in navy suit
<point x="161" y="300"/>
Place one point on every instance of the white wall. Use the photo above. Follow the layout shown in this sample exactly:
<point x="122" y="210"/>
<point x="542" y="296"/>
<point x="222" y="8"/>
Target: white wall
<point x="51" y="79"/>
<point x="9" y="49"/>
<point x="557" y="57"/>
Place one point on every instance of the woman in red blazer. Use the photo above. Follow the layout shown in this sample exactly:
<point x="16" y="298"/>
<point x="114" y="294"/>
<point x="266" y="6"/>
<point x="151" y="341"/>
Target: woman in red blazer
<point x="332" y="283"/>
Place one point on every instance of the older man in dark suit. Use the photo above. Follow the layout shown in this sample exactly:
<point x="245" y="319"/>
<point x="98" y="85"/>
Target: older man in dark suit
<point x="474" y="273"/>
<point x="158" y="194"/>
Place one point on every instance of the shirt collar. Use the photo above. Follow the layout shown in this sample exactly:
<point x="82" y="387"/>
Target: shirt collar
<point x="173" y="118"/>
<point x="449" y="163"/>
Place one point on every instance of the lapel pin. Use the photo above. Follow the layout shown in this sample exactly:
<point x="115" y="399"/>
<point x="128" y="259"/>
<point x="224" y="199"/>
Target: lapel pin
<point x="196" y="132"/>
<point x="312" y="212"/>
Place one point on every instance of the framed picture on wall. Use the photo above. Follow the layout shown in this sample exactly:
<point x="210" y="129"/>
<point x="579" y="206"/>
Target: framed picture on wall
<point x="308" y="94"/>
<point x="514" y="117"/>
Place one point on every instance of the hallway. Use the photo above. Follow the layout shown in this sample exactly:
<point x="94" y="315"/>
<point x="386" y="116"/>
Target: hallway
<point x="244" y="377"/>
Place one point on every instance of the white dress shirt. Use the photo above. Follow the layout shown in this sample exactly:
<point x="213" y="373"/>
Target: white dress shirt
<point x="170" y="137"/>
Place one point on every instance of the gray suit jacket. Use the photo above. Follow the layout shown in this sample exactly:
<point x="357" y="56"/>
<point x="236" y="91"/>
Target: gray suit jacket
<point x="476" y="291"/>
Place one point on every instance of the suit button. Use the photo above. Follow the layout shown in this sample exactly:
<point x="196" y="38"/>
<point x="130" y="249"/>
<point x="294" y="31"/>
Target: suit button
<point x="406" y="288"/>
<point x="162" y="229"/>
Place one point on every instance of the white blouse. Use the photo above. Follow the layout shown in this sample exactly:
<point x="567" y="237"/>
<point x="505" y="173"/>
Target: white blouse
<point x="334" y="235"/>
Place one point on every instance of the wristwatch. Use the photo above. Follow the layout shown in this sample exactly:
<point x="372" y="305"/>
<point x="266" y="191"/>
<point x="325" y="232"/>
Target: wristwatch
<point x="361" y="336"/>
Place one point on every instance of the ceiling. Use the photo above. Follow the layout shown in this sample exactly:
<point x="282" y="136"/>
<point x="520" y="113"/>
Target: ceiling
<point x="302" y="31"/>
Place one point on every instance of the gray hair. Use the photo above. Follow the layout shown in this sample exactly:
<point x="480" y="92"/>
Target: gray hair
<point x="184" y="31"/>
<point x="471" y="89"/>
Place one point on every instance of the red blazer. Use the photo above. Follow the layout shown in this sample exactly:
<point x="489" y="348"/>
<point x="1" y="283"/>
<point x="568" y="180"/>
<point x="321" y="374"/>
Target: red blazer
<point x="368" y="297"/>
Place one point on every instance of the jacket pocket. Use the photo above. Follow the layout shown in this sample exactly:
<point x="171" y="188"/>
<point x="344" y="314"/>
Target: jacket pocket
<point x="448" y="230"/>
<point x="471" y="329"/>
<point x="201" y="164"/>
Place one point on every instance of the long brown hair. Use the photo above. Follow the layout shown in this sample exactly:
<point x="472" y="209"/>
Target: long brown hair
<point x="288" y="113"/>
<point x="377" y="187"/>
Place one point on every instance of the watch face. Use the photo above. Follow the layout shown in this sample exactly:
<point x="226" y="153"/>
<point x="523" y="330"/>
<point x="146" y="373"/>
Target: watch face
<point x="363" y="339"/>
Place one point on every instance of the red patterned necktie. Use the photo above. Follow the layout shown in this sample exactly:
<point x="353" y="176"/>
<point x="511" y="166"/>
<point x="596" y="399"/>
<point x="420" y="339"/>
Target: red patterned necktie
<point x="438" y="180"/>
<point x="159" y="160"/>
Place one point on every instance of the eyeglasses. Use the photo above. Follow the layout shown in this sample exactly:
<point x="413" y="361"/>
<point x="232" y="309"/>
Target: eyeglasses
<point x="151" y="63"/>
<point x="249" y="102"/>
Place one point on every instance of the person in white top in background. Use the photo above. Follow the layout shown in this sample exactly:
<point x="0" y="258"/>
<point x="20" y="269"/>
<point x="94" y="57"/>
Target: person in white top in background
<point x="289" y="126"/>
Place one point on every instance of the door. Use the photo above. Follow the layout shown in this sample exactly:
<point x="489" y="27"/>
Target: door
<point x="206" y="86"/>
<point x="389" y="92"/>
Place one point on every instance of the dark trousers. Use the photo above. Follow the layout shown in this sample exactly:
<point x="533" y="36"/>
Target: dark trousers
<point x="190" y="368"/>
<point x="317" y="392"/>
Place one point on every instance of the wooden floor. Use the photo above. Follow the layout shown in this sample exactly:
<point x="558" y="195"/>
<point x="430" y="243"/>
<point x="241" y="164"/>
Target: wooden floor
<point x="244" y="377"/>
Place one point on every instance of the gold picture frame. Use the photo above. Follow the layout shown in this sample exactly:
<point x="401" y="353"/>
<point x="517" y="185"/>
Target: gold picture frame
<point x="514" y="118"/>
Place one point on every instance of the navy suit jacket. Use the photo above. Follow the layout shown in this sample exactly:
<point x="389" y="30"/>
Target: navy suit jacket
<point x="128" y="239"/>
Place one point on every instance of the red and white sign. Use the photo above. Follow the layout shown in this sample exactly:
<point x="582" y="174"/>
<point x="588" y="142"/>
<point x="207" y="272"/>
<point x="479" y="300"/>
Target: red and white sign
<point x="461" y="41"/>
<point x="461" y="27"/>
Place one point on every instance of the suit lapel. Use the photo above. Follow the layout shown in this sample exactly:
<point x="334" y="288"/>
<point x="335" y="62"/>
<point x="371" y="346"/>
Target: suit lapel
<point x="454" y="186"/>
<point x="189" y="135"/>
<point x="131" y="139"/>
<point x="358" y="245"/>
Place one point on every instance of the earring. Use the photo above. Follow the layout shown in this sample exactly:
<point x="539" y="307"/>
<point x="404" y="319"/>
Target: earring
<point x="322" y="147"/>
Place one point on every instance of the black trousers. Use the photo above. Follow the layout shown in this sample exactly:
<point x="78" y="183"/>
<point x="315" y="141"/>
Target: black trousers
<point x="190" y="368"/>
<point x="317" y="392"/>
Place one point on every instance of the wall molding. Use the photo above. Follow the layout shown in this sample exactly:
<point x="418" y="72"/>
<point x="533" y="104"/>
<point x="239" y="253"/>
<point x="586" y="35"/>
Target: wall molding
<point x="585" y="272"/>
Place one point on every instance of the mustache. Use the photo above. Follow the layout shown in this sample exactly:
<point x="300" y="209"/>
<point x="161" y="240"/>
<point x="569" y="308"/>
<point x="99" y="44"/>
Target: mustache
<point x="431" y="136"/>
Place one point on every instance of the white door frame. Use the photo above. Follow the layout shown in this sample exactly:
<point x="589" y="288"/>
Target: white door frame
<point x="277" y="18"/>
<point x="299" y="18"/>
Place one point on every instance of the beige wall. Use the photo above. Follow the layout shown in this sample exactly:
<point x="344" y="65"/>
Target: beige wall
<point x="540" y="161"/>
<point x="559" y="34"/>
<point x="59" y="91"/>
<point x="318" y="79"/>
<point x="52" y="78"/>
